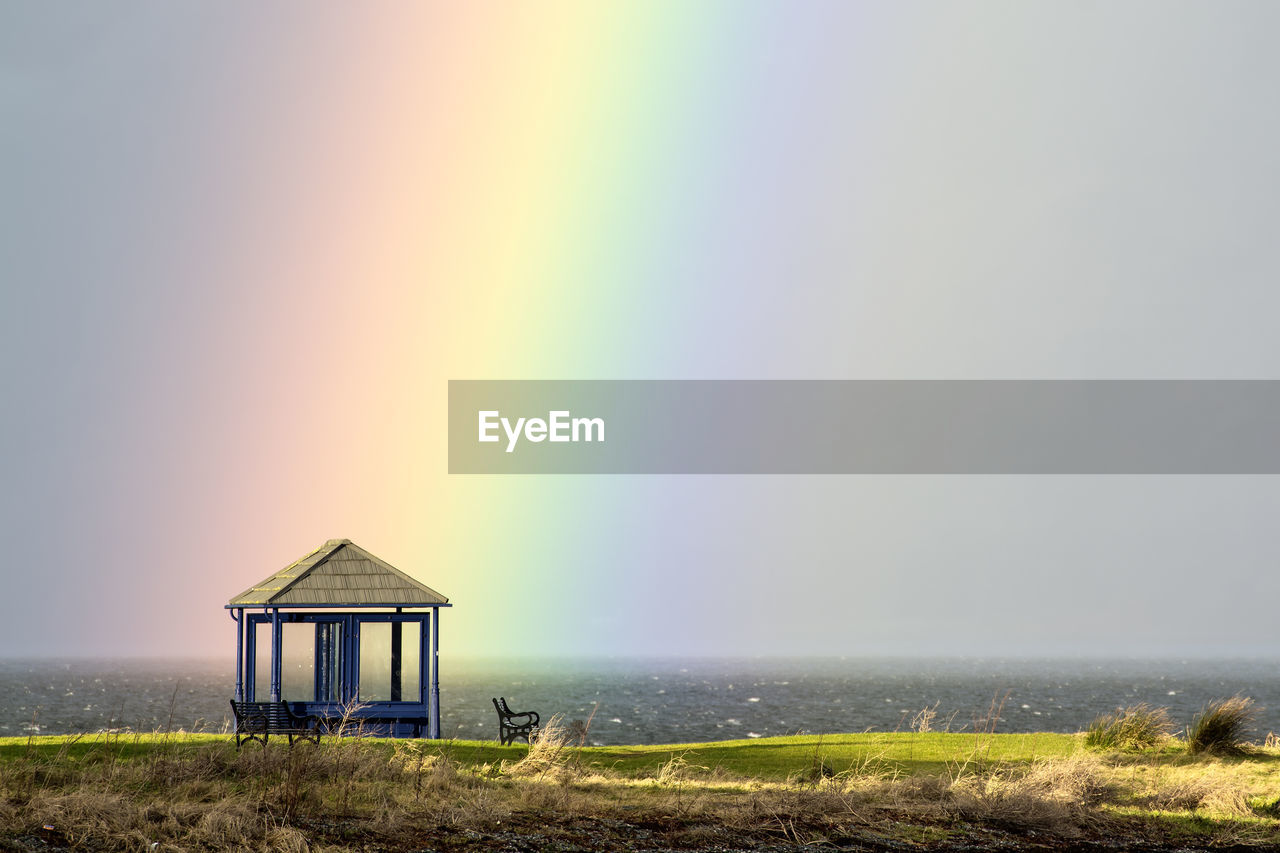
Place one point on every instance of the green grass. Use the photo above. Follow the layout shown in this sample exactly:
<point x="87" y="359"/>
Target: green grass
<point x="778" y="758"/>
<point x="770" y="759"/>
<point x="79" y="747"/>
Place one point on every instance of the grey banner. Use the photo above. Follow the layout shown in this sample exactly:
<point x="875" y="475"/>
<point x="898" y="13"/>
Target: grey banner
<point x="865" y="427"/>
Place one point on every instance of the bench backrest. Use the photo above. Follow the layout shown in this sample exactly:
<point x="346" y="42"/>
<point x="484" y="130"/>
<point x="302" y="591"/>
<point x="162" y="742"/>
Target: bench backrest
<point x="268" y="715"/>
<point x="505" y="713"/>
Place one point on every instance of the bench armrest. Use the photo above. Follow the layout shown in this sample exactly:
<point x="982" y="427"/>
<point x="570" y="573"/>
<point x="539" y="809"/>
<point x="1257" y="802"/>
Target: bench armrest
<point x="301" y="721"/>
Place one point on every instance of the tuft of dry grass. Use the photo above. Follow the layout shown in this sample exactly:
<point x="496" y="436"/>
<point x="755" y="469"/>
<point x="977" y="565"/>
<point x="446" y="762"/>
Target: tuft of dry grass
<point x="549" y="753"/>
<point x="1060" y="795"/>
<point x="1134" y="728"/>
<point x="677" y="769"/>
<point x="1220" y="728"/>
<point x="927" y="719"/>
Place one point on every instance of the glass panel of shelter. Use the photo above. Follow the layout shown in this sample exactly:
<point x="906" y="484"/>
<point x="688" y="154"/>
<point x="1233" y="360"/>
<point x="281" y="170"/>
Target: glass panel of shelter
<point x="389" y="657"/>
<point x="390" y="660"/>
<point x="297" y="662"/>
<point x="328" y="661"/>
<point x="260" y="639"/>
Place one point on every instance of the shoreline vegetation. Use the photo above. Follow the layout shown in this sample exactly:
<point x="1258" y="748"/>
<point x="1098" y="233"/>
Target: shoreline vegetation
<point x="1129" y="782"/>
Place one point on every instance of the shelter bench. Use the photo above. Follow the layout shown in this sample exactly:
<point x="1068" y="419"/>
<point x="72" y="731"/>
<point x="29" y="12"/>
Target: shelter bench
<point x="514" y="724"/>
<point x="259" y="720"/>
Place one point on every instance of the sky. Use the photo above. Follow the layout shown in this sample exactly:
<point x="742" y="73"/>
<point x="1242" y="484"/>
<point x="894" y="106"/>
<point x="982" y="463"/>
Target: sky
<point x="245" y="246"/>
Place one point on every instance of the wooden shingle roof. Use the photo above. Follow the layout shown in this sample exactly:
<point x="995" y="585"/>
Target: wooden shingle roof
<point x="340" y="574"/>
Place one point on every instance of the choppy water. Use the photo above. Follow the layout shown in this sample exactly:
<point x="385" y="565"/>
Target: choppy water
<point x="667" y="701"/>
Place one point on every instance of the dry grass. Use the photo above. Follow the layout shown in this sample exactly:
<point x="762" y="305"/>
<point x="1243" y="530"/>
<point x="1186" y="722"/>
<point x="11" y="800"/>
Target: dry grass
<point x="549" y="755"/>
<point x="349" y="794"/>
<point x="1221" y="727"/>
<point x="1136" y="727"/>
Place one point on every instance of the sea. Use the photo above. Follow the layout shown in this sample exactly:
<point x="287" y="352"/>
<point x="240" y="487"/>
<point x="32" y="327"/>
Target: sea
<point x="673" y="700"/>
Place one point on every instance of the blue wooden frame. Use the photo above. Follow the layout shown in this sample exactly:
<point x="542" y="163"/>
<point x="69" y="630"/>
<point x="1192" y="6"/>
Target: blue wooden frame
<point x="417" y="716"/>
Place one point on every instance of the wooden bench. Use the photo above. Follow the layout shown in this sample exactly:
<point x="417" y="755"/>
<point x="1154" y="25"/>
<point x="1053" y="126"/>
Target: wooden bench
<point x="259" y="720"/>
<point x="514" y="724"/>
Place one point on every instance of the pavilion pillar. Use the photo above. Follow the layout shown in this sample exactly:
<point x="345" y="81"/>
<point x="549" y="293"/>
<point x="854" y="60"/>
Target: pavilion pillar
<point x="434" y="711"/>
<point x="238" y="616"/>
<point x="397" y="655"/>
<point x="349" y="673"/>
<point x="275" y="654"/>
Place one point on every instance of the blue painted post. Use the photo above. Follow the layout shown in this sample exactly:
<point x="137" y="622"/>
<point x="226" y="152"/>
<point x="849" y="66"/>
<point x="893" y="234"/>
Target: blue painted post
<point x="355" y="659"/>
<point x="323" y="655"/>
<point x="238" y="616"/>
<point x="397" y="655"/>
<point x="275" y="654"/>
<point x="424" y="672"/>
<point x="435" y="673"/>
<point x="317" y="663"/>
<point x="349" y="659"/>
<point x="250" y="652"/>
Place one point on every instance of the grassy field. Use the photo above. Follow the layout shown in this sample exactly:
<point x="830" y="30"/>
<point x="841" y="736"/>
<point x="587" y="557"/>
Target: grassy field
<point x="780" y="758"/>
<point x="764" y="759"/>
<point x="874" y="791"/>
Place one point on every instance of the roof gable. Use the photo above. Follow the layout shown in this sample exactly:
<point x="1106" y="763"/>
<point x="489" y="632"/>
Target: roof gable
<point x="340" y="574"/>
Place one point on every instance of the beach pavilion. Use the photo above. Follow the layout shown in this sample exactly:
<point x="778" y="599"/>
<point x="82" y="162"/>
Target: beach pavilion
<point x="342" y="631"/>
